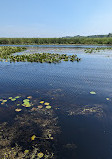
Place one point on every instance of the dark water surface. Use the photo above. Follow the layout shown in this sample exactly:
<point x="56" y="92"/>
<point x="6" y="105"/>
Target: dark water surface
<point x="85" y="120"/>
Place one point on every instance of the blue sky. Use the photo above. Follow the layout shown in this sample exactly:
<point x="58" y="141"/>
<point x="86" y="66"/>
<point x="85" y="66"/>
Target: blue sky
<point x="54" y="18"/>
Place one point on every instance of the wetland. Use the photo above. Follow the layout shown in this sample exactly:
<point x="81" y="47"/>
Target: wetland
<point x="55" y="102"/>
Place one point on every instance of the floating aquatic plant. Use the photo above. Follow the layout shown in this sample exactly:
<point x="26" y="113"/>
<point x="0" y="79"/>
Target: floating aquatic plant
<point x="92" y="92"/>
<point x="48" y="107"/>
<point x="40" y="120"/>
<point x="46" y="103"/>
<point x="7" y="54"/>
<point x="40" y="106"/>
<point x="4" y="101"/>
<point x="26" y="103"/>
<point x="29" y="97"/>
<point x="17" y="97"/>
<point x="10" y="97"/>
<point x="40" y="155"/>
<point x="41" y="102"/>
<point x="13" y="99"/>
<point x="5" y="51"/>
<point x="33" y="137"/>
<point x="18" y="110"/>
<point x="26" y="151"/>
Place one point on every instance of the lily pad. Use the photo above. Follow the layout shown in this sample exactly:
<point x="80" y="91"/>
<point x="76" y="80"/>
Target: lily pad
<point x="34" y="109"/>
<point x="48" y="107"/>
<point x="10" y="97"/>
<point x="4" y="101"/>
<point x="13" y="99"/>
<point x="40" y="106"/>
<point x="26" y="151"/>
<point x="26" y="105"/>
<point x="29" y="97"/>
<point x="92" y="92"/>
<point x="41" y="102"/>
<point x="50" y="136"/>
<point x="46" y="103"/>
<point x="18" y="110"/>
<point x="33" y="137"/>
<point x="17" y="97"/>
<point x="26" y="100"/>
<point x="40" y="155"/>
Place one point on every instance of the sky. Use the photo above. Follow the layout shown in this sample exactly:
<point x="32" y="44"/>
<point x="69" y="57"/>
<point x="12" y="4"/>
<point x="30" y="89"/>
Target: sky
<point x="54" y="18"/>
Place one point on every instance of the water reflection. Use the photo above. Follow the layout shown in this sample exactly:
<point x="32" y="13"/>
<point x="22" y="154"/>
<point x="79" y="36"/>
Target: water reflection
<point x="79" y="122"/>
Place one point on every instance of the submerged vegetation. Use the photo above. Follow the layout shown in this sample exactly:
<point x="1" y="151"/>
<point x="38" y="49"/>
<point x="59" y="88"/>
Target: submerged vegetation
<point x="6" y="53"/>
<point x="31" y="129"/>
<point x="71" y="40"/>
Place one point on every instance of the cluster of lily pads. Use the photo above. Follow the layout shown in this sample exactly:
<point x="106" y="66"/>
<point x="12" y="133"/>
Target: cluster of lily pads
<point x="5" y="51"/>
<point x="98" y="49"/>
<point x="41" y="114"/>
<point x="26" y="103"/>
<point x="43" y="57"/>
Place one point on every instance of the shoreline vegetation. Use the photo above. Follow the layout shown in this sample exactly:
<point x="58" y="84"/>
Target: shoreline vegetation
<point x="58" y="41"/>
<point x="6" y="52"/>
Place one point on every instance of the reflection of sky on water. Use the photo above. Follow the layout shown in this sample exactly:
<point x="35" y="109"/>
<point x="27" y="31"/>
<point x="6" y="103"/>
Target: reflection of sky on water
<point x="69" y="84"/>
<point x="63" y="50"/>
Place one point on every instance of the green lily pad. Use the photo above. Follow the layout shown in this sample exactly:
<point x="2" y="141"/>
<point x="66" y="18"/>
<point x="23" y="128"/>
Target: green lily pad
<point x="40" y="155"/>
<point x="26" y="151"/>
<point x="18" y="110"/>
<point x="17" y="97"/>
<point x="33" y="137"/>
<point x="10" y="97"/>
<point x="26" y="100"/>
<point x="26" y="104"/>
<point x="41" y="102"/>
<point x="48" y="107"/>
<point x="4" y="101"/>
<point x="13" y="99"/>
<point x="92" y="92"/>
<point x="46" y="103"/>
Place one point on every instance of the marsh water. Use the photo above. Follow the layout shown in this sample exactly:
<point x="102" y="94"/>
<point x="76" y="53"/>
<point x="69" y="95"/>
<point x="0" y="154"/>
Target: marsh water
<point x="84" y="119"/>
